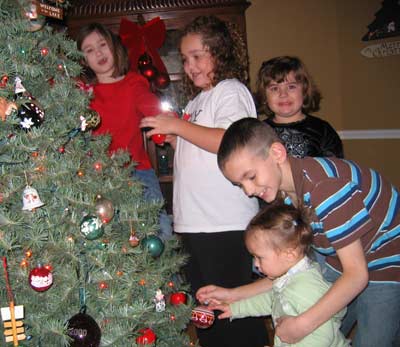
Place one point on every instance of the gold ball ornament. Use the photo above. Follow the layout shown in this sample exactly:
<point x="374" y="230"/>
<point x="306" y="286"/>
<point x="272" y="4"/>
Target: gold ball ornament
<point x="104" y="209"/>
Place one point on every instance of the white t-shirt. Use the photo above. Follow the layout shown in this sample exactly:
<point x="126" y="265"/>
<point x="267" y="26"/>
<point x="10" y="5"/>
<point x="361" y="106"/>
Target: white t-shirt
<point x="204" y="200"/>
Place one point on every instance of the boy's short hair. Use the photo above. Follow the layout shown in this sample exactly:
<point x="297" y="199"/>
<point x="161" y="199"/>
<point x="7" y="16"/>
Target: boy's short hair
<point x="277" y="69"/>
<point x="249" y="133"/>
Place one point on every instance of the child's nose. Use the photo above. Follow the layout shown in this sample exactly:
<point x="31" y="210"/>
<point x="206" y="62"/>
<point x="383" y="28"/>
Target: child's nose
<point x="248" y="189"/>
<point x="283" y="91"/>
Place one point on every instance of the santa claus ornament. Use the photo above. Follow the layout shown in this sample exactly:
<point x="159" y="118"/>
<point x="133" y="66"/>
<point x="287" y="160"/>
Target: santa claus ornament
<point x="202" y="317"/>
<point x="40" y="278"/>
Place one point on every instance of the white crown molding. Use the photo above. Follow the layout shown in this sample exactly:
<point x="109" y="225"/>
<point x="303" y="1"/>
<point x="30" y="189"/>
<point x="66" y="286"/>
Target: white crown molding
<point x="369" y="134"/>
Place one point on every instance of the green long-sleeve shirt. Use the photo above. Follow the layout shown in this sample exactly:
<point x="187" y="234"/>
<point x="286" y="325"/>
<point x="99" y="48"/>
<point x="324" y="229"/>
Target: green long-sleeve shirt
<point x="292" y="294"/>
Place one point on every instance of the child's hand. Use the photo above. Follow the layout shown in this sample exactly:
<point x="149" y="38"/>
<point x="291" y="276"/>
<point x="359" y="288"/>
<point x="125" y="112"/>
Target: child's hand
<point x="289" y="329"/>
<point x="214" y="295"/>
<point x="165" y="123"/>
<point x="171" y="139"/>
<point x="226" y="310"/>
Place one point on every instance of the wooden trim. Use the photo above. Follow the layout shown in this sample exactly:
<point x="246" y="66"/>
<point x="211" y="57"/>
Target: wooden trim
<point x="369" y="134"/>
<point x="89" y="8"/>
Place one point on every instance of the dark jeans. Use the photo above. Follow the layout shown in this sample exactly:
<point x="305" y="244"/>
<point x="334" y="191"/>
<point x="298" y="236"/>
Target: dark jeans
<point x="152" y="192"/>
<point x="222" y="259"/>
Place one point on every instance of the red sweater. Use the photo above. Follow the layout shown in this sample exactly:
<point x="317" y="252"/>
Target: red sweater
<point x="121" y="105"/>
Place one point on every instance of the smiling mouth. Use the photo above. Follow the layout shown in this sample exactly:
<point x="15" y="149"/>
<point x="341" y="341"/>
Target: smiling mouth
<point x="102" y="61"/>
<point x="261" y="194"/>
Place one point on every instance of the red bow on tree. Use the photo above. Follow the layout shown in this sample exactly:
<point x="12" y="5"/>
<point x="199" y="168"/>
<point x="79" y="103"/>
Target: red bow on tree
<point x="140" y="39"/>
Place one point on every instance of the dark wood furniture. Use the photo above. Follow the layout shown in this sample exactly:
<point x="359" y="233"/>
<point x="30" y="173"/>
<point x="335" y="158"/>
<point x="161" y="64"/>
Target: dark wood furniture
<point x="176" y="14"/>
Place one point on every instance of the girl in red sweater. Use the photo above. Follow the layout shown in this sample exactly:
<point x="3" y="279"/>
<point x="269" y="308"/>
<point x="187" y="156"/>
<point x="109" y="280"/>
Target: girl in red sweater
<point x="122" y="98"/>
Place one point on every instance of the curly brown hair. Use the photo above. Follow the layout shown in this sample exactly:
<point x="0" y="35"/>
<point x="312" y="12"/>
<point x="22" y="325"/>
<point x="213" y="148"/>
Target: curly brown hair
<point x="226" y="47"/>
<point x="277" y="69"/>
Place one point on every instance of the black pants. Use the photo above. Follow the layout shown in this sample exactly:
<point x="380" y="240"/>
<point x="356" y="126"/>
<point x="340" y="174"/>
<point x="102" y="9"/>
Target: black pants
<point x="222" y="259"/>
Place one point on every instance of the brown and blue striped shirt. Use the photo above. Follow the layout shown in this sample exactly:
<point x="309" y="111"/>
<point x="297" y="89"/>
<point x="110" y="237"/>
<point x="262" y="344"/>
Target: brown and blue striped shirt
<point x="351" y="202"/>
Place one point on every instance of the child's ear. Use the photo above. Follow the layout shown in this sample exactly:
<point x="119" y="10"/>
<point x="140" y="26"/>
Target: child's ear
<point x="278" y="151"/>
<point x="291" y="253"/>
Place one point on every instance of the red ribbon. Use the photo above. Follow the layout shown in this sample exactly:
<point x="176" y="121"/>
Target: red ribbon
<point x="140" y="39"/>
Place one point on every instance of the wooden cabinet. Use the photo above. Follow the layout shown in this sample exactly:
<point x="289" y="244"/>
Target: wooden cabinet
<point x="175" y="14"/>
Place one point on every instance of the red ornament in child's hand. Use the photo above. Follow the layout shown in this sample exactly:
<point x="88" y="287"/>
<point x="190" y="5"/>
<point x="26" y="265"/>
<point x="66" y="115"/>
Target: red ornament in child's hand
<point x="178" y="298"/>
<point x="147" y="337"/>
<point x="158" y="139"/>
<point x="202" y="317"/>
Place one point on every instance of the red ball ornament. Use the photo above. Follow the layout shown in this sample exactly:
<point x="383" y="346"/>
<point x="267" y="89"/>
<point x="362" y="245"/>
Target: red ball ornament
<point x="144" y="61"/>
<point x="3" y="81"/>
<point x="40" y="279"/>
<point x="103" y="285"/>
<point x="202" y="317"/>
<point x="44" y="51"/>
<point x="146" y="338"/>
<point x="61" y="149"/>
<point x="98" y="166"/>
<point x="158" y="139"/>
<point x="178" y="298"/>
<point x="149" y="72"/>
<point x="162" y="80"/>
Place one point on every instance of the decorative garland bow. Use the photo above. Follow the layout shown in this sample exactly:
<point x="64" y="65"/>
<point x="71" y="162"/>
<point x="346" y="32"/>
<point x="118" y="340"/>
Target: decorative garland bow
<point x="146" y="38"/>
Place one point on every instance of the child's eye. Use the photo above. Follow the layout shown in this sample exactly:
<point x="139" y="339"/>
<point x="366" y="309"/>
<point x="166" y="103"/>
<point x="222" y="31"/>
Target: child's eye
<point x="273" y="89"/>
<point x="103" y="44"/>
<point x="292" y="86"/>
<point x="87" y="51"/>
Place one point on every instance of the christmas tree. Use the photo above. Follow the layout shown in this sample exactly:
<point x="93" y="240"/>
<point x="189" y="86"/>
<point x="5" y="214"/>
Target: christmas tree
<point x="386" y="23"/>
<point x="78" y="243"/>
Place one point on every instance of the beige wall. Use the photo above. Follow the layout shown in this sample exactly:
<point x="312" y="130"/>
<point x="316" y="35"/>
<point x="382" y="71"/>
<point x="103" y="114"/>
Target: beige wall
<point x="359" y="93"/>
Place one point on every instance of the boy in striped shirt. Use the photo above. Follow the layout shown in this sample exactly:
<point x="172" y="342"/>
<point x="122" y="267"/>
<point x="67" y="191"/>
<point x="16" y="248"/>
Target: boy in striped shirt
<point x="356" y="227"/>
